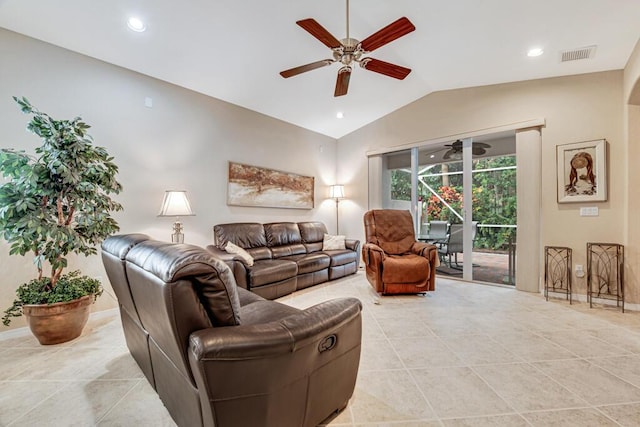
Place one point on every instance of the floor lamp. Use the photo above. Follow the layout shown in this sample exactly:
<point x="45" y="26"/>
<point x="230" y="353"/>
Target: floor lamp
<point x="336" y="192"/>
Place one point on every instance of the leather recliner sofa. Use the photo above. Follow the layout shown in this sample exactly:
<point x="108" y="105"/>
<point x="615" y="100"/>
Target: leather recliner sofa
<point x="287" y="256"/>
<point x="219" y="355"/>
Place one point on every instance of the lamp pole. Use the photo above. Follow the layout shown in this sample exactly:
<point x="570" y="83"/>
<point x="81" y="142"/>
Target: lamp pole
<point x="336" y="192"/>
<point x="337" y="216"/>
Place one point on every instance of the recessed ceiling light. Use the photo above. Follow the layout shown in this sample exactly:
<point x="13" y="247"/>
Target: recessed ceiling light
<point x="536" y="51"/>
<point x="432" y="156"/>
<point x="136" y="24"/>
<point x="339" y="115"/>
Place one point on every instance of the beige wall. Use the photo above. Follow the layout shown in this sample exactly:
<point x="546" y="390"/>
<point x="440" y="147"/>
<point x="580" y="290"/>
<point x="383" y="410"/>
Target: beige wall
<point x="183" y="142"/>
<point x="632" y="134"/>
<point x="576" y="108"/>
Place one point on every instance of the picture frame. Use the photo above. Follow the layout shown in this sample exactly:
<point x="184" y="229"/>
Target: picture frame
<point x="582" y="171"/>
<point x="257" y="186"/>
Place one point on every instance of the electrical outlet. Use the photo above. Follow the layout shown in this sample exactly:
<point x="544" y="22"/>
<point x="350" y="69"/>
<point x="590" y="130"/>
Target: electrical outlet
<point x="579" y="270"/>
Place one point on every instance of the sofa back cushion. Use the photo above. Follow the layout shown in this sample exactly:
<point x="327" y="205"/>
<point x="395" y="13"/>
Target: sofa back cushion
<point x="179" y="289"/>
<point x="250" y="236"/>
<point x="312" y="233"/>
<point x="390" y="229"/>
<point x="114" y="252"/>
<point x="283" y="238"/>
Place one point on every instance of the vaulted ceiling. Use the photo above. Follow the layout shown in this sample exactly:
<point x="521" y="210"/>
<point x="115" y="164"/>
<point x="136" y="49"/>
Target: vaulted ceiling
<point x="234" y="50"/>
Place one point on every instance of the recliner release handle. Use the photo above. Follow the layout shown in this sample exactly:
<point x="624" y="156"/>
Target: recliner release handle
<point x="327" y="343"/>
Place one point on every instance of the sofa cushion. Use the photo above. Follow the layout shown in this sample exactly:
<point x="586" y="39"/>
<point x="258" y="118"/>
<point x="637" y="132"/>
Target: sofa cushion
<point x="247" y="235"/>
<point x="408" y="268"/>
<point x="265" y="311"/>
<point x="268" y="271"/>
<point x="308" y="263"/>
<point x="390" y="229"/>
<point x="288" y="250"/>
<point x="282" y="233"/>
<point x="312" y="231"/>
<point x="341" y="257"/>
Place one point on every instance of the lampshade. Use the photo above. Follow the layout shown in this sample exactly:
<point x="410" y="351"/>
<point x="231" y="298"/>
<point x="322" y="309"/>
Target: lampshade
<point x="175" y="203"/>
<point x="336" y="191"/>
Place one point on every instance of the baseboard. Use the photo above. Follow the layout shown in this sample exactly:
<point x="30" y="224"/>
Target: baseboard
<point x="599" y="301"/>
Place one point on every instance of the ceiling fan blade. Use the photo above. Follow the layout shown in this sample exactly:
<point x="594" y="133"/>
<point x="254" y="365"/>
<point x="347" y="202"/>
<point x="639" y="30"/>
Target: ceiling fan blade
<point x="478" y="151"/>
<point x="388" y="34"/>
<point x="319" y="32"/>
<point x="342" y="82"/>
<point x="386" y="68"/>
<point x="304" y="68"/>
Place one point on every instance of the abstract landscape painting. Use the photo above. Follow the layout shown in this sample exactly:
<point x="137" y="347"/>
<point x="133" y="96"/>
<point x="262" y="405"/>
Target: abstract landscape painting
<point x="257" y="186"/>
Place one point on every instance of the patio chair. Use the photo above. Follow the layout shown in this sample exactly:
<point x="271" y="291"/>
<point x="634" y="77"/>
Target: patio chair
<point x="438" y="231"/>
<point x="452" y="245"/>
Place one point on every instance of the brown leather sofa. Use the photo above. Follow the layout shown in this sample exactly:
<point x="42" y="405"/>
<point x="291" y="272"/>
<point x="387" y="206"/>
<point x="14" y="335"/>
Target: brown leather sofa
<point x="288" y="256"/>
<point x="218" y="355"/>
<point x="395" y="263"/>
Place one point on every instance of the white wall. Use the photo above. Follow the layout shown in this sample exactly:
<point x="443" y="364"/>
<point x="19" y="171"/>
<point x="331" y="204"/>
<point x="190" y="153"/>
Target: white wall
<point x="576" y="108"/>
<point x="183" y="142"/>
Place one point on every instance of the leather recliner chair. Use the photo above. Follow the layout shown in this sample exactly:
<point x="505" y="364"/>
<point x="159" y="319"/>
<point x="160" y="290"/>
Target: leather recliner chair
<point x="395" y="263"/>
<point x="223" y="356"/>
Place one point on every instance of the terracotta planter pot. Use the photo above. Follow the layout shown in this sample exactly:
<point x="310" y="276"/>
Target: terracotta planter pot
<point x="59" y="322"/>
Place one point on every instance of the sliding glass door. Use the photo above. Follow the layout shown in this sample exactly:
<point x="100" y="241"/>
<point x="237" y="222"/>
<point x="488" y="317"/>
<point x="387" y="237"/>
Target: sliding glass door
<point x="462" y="196"/>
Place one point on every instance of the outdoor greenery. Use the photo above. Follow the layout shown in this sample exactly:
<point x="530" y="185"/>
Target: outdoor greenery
<point x="494" y="196"/>
<point x="56" y="203"/>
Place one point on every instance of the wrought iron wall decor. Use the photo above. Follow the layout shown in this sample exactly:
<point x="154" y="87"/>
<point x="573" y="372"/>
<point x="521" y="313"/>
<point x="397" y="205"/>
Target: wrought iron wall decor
<point x="557" y="271"/>
<point x="605" y="272"/>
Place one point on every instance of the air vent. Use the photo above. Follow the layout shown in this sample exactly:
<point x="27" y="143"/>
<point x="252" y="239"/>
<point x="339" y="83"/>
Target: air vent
<point x="577" y="54"/>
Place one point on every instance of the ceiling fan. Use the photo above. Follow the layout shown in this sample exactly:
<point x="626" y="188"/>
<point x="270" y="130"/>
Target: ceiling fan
<point x="348" y="51"/>
<point x="477" y="148"/>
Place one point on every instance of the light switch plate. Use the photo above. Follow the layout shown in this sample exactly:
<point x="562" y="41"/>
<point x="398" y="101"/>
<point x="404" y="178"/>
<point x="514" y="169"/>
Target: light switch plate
<point x="589" y="211"/>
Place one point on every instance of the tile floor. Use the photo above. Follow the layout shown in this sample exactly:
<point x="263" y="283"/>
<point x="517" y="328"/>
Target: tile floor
<point x="465" y="355"/>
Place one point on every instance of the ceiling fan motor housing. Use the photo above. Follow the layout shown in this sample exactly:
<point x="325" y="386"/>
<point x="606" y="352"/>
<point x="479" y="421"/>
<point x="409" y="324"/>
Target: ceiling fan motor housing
<point x="349" y="51"/>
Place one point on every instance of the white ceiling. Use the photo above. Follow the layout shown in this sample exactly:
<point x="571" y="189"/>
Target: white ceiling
<point x="233" y="50"/>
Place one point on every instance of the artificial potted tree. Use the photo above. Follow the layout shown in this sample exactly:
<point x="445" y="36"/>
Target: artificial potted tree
<point x="51" y="205"/>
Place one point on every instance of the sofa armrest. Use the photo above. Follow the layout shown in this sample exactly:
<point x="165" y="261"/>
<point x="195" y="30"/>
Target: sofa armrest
<point x="372" y="254"/>
<point x="352" y="244"/>
<point x="310" y="357"/>
<point x="271" y="339"/>
<point x="428" y="251"/>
